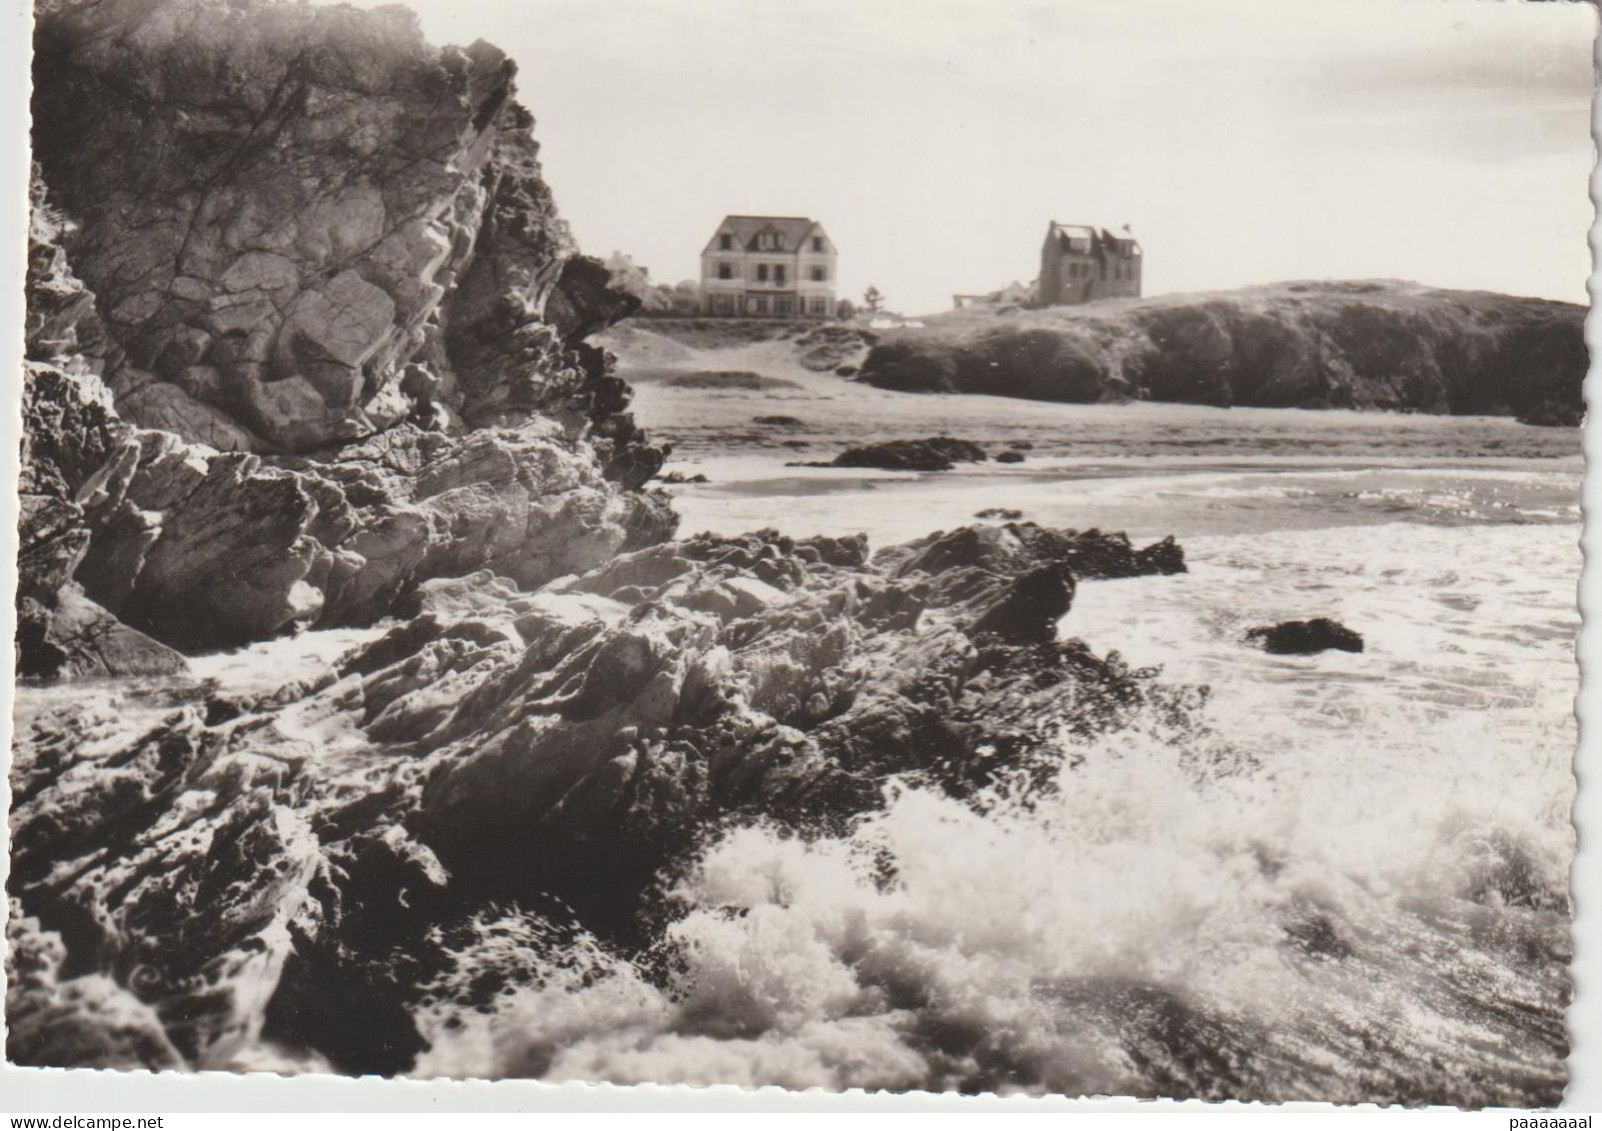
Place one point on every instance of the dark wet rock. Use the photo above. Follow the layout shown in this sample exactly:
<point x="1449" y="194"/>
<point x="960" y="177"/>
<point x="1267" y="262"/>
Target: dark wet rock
<point x="779" y="420"/>
<point x="680" y="477"/>
<point x="76" y="637"/>
<point x="938" y="453"/>
<point x="1010" y="456"/>
<point x="1305" y="637"/>
<point x="740" y="379"/>
<point x="1008" y="513"/>
<point x="1028" y="610"/>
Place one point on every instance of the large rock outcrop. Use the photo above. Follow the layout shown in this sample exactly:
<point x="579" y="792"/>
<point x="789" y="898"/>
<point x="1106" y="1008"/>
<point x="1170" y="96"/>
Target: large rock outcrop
<point x="286" y="868"/>
<point x="71" y="438"/>
<point x="200" y="548"/>
<point x="1368" y="345"/>
<point x="276" y="202"/>
<point x="289" y="227"/>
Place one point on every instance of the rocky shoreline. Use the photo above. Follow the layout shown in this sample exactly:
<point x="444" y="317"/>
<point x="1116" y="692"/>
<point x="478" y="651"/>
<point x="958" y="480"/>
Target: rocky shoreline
<point x="330" y="369"/>
<point x="1381" y="345"/>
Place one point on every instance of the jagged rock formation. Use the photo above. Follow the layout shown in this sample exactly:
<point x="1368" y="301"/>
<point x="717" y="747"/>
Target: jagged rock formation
<point x="235" y="874"/>
<point x="71" y="437"/>
<point x="1380" y="345"/>
<point x="303" y="224"/>
<point x="299" y="228"/>
<point x="205" y="549"/>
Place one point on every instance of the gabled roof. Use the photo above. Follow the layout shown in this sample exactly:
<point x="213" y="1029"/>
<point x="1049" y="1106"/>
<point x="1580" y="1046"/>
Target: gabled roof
<point x="793" y="230"/>
<point x="1073" y="231"/>
<point x="1098" y="237"/>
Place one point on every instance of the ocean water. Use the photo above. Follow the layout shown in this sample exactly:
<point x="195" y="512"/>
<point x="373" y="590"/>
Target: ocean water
<point x="1349" y="883"/>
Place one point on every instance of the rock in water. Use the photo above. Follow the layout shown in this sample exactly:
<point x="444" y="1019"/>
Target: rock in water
<point x="1305" y="637"/>
<point x="938" y="453"/>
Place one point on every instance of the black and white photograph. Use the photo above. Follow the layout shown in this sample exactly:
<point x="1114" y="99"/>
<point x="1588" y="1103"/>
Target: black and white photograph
<point x="981" y="547"/>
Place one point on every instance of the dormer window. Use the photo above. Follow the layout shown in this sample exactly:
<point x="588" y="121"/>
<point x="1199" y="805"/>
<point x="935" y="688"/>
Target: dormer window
<point x="725" y="243"/>
<point x="767" y="241"/>
<point x="817" y="244"/>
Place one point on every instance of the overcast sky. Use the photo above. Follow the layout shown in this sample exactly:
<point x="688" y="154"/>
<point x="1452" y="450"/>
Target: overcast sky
<point x="1245" y="141"/>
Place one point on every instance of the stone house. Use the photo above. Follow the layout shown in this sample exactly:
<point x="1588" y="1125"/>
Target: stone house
<point x="768" y="266"/>
<point x="1079" y="264"/>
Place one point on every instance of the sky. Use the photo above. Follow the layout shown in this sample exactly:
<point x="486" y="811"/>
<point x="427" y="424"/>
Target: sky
<point x="1244" y="141"/>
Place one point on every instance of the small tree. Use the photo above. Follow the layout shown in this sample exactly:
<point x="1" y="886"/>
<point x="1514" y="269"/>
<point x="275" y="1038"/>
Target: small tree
<point x="873" y="300"/>
<point x="846" y="309"/>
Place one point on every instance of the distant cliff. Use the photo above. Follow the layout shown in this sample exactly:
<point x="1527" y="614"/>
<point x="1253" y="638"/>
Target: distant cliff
<point x="1366" y="345"/>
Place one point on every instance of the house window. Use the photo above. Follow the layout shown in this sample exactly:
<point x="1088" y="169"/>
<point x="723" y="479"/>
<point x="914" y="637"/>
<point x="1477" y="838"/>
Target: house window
<point x="722" y="304"/>
<point x="725" y="243"/>
<point x="820" y="305"/>
<point x="819" y="274"/>
<point x="817" y="244"/>
<point x="762" y="272"/>
<point x="759" y="305"/>
<point x="725" y="271"/>
<point x="783" y="304"/>
<point x="778" y="274"/>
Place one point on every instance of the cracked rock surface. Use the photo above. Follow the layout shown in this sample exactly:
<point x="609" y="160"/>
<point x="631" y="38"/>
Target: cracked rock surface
<point x="253" y="224"/>
<point x="283" y="868"/>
